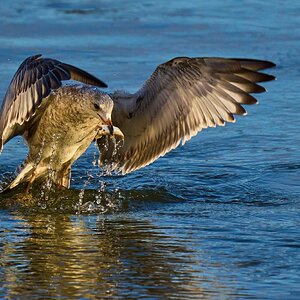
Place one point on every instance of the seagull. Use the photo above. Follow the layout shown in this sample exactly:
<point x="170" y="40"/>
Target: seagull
<point x="59" y="119"/>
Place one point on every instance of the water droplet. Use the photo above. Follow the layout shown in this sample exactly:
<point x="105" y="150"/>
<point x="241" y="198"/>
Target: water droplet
<point x="43" y="205"/>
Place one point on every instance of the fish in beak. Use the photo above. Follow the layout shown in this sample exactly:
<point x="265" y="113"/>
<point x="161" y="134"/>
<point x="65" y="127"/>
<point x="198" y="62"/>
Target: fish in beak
<point x="109" y="129"/>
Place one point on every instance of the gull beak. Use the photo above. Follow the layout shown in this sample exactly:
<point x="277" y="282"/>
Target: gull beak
<point x="109" y="129"/>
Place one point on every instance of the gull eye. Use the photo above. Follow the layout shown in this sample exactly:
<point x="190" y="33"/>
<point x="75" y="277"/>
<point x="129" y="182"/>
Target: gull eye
<point x="96" y="106"/>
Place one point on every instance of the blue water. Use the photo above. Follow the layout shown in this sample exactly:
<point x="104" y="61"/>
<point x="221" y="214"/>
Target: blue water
<point x="217" y="218"/>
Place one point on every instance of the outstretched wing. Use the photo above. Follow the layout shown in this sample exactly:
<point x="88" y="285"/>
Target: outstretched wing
<point x="182" y="97"/>
<point x="33" y="82"/>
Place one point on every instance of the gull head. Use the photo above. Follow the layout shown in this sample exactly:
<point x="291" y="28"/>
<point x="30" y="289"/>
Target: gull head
<point x="101" y="107"/>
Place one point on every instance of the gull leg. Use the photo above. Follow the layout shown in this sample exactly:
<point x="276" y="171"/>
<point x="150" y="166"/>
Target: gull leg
<point x="33" y="176"/>
<point x="66" y="178"/>
<point x="63" y="177"/>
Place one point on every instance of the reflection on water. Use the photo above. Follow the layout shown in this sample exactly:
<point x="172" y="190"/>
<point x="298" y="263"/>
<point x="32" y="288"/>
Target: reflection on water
<point x="55" y="255"/>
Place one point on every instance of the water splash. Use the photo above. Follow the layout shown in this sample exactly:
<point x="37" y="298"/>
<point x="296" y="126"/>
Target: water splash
<point x="5" y="179"/>
<point x="39" y="156"/>
<point x="111" y="164"/>
<point x="80" y="206"/>
<point x="104" y="199"/>
<point x="94" y="162"/>
<point x="47" y="186"/>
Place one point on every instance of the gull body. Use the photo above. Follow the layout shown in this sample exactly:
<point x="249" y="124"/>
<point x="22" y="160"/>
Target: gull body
<point x="182" y="97"/>
<point x="65" y="128"/>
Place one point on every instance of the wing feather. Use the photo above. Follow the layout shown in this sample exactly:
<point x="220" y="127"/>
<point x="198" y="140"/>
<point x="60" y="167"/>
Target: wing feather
<point x="183" y="96"/>
<point x="32" y="83"/>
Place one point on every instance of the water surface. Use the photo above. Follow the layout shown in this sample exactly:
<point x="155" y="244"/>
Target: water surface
<point x="217" y="218"/>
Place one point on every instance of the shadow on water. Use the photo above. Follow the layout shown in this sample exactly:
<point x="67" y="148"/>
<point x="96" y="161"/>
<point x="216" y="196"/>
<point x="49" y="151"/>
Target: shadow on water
<point x="105" y="257"/>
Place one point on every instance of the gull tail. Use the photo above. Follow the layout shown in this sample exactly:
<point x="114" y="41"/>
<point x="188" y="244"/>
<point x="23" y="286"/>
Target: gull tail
<point x="25" y="175"/>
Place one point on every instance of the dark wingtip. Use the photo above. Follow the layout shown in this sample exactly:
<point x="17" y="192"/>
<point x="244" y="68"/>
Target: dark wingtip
<point x="271" y="64"/>
<point x="33" y="57"/>
<point x="103" y="84"/>
<point x="255" y="64"/>
<point x="266" y="64"/>
<point x="83" y="76"/>
<point x="267" y="77"/>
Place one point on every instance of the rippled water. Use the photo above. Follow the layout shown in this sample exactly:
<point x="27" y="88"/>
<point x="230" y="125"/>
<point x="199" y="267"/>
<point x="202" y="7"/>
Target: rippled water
<point x="217" y="218"/>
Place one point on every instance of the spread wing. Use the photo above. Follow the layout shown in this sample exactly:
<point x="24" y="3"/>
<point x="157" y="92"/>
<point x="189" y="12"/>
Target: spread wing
<point x="182" y="97"/>
<point x="33" y="82"/>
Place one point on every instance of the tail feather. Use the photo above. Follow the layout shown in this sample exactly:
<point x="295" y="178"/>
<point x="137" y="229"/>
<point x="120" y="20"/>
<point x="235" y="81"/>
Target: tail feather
<point x="23" y="176"/>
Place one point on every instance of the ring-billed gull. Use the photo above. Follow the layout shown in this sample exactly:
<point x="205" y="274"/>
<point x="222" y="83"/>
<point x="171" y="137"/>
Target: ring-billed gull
<point x="59" y="122"/>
